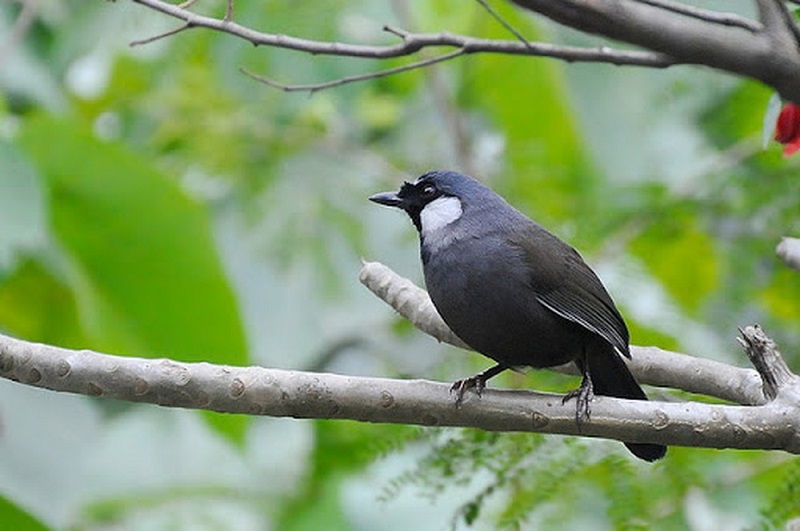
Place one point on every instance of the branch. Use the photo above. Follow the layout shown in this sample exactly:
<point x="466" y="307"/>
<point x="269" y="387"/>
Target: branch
<point x="682" y="36"/>
<point x="503" y="22"/>
<point x="411" y="42"/>
<point x="726" y="19"/>
<point x="313" y="87"/>
<point x="779" y="25"/>
<point x="160" y="36"/>
<point x="650" y="365"/>
<point x="279" y="393"/>
<point x="670" y="33"/>
<point x="776" y="376"/>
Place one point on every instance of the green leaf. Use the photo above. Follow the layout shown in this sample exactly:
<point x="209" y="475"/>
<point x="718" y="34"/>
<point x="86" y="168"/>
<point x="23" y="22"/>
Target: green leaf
<point x="780" y="296"/>
<point x="737" y="116"/>
<point x="324" y="511"/>
<point x="21" y="207"/>
<point x="683" y="258"/>
<point x="14" y="517"/>
<point x="37" y="306"/>
<point x="140" y="257"/>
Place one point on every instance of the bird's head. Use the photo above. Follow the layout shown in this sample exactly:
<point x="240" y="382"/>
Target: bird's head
<point x="434" y="200"/>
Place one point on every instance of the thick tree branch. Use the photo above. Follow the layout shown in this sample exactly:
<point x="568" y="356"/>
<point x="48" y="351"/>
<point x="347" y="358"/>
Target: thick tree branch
<point x="778" y="25"/>
<point x="260" y="391"/>
<point x="686" y="38"/>
<point x="726" y="19"/>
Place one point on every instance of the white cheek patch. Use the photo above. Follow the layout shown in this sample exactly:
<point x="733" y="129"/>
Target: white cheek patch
<point x="439" y="213"/>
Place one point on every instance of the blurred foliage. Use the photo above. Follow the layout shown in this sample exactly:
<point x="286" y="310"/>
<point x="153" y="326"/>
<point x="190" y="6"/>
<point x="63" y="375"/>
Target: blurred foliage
<point x="156" y="202"/>
<point x="14" y="517"/>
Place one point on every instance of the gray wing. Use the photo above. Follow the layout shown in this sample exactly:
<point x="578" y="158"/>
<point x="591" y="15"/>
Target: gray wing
<point x="568" y="287"/>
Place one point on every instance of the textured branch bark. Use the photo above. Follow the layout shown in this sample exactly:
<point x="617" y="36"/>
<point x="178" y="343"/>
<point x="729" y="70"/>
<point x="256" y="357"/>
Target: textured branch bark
<point x="779" y="25"/>
<point x="776" y="377"/>
<point x="260" y="391"/>
<point x="687" y="39"/>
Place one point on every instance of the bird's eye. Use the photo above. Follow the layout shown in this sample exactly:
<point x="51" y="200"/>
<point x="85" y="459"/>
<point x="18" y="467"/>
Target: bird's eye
<point x="428" y="191"/>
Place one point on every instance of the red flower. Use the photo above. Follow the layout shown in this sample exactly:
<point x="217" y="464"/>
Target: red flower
<point x="787" y="130"/>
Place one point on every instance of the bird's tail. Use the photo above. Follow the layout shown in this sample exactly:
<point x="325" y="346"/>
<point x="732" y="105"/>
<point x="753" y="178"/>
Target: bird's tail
<point x="611" y="377"/>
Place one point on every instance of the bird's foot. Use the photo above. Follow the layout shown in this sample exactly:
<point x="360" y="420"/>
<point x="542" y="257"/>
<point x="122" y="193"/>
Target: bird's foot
<point x="459" y="387"/>
<point x="477" y="382"/>
<point x="583" y="395"/>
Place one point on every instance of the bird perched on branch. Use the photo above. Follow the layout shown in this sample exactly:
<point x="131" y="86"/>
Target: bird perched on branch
<point x="514" y="292"/>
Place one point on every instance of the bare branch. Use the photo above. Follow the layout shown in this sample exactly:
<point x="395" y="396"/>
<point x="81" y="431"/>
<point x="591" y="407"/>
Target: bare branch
<point x="228" y="12"/>
<point x="412" y="43"/>
<point x="650" y="365"/>
<point x="726" y="19"/>
<point x="778" y="25"/>
<point x="503" y="22"/>
<point x="766" y="358"/>
<point x="160" y="36"/>
<point x="687" y="39"/>
<point x="351" y="79"/>
<point x="260" y="391"/>
<point x="772" y="15"/>
<point x="670" y="33"/>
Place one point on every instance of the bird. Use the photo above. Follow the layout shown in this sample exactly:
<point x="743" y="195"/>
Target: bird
<point x="515" y="292"/>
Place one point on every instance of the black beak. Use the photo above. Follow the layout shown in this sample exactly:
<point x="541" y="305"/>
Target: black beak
<point x="387" y="198"/>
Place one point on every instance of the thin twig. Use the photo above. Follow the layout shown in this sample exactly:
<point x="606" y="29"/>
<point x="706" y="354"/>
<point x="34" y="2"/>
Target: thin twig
<point x="412" y="43"/>
<point x="503" y="22"/>
<point x="164" y="35"/>
<point x="726" y="19"/>
<point x="667" y="38"/>
<point x="229" y="11"/>
<point x="313" y="87"/>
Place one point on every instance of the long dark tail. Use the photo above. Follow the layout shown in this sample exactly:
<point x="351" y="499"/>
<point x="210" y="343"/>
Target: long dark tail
<point x="611" y="377"/>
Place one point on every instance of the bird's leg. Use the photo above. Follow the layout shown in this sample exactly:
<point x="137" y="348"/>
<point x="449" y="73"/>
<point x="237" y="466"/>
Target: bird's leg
<point x="477" y="382"/>
<point x="584" y="394"/>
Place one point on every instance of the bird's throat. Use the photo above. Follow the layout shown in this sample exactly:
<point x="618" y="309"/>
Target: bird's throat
<point x="439" y="213"/>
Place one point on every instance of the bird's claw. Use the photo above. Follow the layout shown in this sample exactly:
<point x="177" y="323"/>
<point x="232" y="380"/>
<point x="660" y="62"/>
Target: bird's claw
<point x="583" y="396"/>
<point x="460" y="387"/>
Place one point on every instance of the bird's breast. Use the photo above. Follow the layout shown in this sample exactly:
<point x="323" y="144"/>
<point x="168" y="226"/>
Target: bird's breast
<point x="482" y="291"/>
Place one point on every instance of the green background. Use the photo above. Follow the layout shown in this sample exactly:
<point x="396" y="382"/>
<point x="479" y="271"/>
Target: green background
<point x="156" y="202"/>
